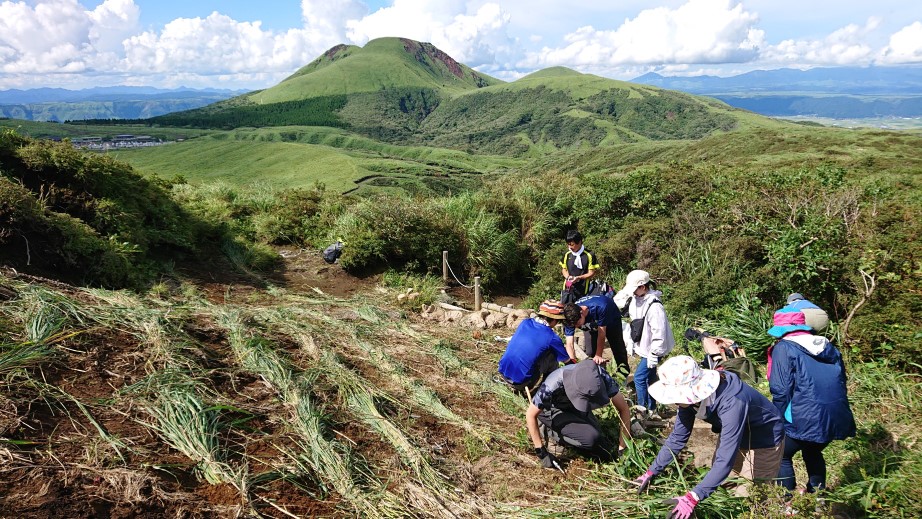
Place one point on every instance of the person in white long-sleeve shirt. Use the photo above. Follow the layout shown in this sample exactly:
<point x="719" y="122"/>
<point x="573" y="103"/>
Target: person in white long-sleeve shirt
<point x="650" y="332"/>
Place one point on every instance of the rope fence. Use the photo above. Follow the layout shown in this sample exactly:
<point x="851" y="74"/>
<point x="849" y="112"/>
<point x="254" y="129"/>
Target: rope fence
<point x="446" y="269"/>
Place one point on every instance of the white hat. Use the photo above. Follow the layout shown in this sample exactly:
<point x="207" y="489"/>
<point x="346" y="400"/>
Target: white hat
<point x="635" y="279"/>
<point x="682" y="381"/>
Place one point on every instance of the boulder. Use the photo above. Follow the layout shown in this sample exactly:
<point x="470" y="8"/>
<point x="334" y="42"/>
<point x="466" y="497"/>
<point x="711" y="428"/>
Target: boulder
<point x="453" y="316"/>
<point x="474" y="320"/>
<point x="495" y="320"/>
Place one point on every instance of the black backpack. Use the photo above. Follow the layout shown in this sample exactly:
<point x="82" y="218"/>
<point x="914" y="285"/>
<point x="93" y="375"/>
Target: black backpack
<point x="333" y="252"/>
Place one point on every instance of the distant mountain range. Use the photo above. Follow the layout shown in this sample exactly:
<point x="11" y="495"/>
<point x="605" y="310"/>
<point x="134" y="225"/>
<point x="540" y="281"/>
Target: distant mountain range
<point x="844" y="92"/>
<point x="119" y="102"/>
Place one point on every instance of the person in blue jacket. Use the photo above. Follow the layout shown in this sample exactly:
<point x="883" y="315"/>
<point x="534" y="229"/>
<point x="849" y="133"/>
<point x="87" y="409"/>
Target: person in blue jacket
<point x="751" y="433"/>
<point x="807" y="381"/>
<point x="816" y="317"/>
<point x="535" y="349"/>
<point x="599" y="318"/>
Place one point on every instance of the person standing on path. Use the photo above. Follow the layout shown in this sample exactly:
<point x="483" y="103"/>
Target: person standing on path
<point x="577" y="267"/>
<point x="650" y="332"/>
<point x="808" y="386"/>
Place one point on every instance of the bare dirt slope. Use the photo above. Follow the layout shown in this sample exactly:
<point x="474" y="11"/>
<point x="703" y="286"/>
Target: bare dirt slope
<point x="77" y="440"/>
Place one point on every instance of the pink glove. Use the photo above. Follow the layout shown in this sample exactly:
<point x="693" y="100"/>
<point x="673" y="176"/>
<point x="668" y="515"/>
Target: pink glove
<point x="684" y="508"/>
<point x="644" y="481"/>
<point x="569" y="284"/>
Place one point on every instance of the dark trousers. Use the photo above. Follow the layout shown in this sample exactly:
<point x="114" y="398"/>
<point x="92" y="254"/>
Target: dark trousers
<point x="579" y="430"/>
<point x="615" y="343"/>
<point x="813" y="459"/>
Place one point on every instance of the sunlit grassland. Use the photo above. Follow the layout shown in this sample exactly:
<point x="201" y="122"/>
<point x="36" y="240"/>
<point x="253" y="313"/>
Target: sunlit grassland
<point x="292" y="157"/>
<point x="761" y="148"/>
<point x="46" y="130"/>
<point x="332" y="361"/>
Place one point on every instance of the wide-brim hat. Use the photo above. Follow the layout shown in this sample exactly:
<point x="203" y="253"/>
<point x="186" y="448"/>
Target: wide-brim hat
<point x="584" y="387"/>
<point x="787" y="320"/>
<point x="635" y="278"/>
<point x="683" y="381"/>
<point x="551" y="309"/>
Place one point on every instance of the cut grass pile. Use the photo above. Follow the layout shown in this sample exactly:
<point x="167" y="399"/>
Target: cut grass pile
<point x="280" y="404"/>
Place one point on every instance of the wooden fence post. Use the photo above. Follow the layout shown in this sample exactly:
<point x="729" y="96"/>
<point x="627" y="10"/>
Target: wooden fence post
<point x="445" y="267"/>
<point x="477" y="298"/>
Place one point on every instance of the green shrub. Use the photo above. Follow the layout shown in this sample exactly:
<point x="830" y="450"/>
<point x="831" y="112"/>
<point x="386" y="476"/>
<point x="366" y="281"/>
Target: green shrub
<point x="397" y="233"/>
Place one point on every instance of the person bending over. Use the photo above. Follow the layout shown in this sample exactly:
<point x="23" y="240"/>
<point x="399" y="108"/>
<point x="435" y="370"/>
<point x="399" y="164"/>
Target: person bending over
<point x="535" y="349"/>
<point x="564" y="405"/>
<point x="751" y="433"/>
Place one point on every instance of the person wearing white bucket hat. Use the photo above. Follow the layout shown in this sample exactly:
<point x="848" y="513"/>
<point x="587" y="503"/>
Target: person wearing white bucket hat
<point x="750" y="428"/>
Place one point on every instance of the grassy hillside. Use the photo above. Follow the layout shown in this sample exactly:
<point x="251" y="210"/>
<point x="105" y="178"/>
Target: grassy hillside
<point x="57" y="131"/>
<point x="217" y="389"/>
<point x="562" y="109"/>
<point x="302" y="156"/>
<point x="410" y="93"/>
<point x="220" y="399"/>
<point x="382" y="64"/>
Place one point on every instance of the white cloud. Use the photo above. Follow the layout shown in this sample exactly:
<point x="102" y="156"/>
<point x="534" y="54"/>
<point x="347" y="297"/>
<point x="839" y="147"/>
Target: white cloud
<point x="905" y="46"/>
<point x="470" y="33"/>
<point x="46" y="38"/>
<point x="700" y="31"/>
<point x="846" y="46"/>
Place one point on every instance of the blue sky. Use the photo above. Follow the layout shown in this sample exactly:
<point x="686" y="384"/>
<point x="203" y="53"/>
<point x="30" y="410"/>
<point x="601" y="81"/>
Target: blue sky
<point x="243" y="44"/>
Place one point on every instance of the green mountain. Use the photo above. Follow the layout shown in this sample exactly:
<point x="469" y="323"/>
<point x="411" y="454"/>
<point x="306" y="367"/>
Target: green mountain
<point x="410" y="93"/>
<point x="383" y="64"/>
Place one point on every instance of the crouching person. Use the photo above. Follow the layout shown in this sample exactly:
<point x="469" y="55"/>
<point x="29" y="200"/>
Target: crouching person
<point x="751" y="432"/>
<point x="564" y="404"/>
<point x="535" y="349"/>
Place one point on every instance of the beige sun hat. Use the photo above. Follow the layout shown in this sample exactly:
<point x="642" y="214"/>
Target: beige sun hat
<point x="635" y="279"/>
<point x="682" y="381"/>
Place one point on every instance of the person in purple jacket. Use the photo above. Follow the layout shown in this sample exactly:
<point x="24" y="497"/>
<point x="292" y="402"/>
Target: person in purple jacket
<point x="807" y="381"/>
<point x="750" y="428"/>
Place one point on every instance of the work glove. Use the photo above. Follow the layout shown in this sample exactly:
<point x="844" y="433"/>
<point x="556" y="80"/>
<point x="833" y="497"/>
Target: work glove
<point x="652" y="361"/>
<point x="644" y="481"/>
<point x="548" y="460"/>
<point x="684" y="506"/>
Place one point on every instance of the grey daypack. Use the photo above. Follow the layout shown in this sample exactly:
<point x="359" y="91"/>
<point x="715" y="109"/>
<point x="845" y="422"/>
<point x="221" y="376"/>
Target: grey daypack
<point x="333" y="252"/>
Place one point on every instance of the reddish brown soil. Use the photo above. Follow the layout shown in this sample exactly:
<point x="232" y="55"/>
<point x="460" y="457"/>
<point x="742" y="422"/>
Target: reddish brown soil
<point x="60" y="466"/>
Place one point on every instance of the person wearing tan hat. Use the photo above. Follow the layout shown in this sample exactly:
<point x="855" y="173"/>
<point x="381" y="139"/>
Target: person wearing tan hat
<point x="534" y="350"/>
<point x="750" y="427"/>
<point x="564" y="405"/>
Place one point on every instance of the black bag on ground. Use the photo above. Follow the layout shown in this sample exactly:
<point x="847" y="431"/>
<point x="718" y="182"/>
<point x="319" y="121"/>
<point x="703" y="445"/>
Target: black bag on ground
<point x="333" y="252"/>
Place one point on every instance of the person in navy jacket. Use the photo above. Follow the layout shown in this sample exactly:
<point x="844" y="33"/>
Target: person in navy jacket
<point x="599" y="318"/>
<point x="807" y="381"/>
<point x="751" y="433"/>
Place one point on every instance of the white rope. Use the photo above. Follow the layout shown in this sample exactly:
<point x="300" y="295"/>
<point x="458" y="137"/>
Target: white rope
<point x="456" y="277"/>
